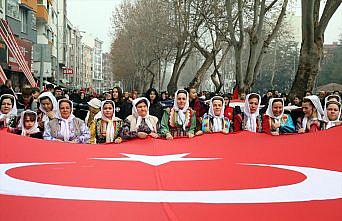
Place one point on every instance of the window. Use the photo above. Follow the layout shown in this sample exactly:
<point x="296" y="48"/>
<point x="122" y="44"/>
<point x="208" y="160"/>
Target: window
<point x="13" y="9"/>
<point x="23" y="18"/>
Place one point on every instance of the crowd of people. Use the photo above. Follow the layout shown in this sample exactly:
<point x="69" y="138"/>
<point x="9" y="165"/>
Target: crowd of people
<point x="117" y="116"/>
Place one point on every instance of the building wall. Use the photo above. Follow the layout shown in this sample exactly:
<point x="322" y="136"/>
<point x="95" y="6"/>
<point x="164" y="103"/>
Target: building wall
<point x="87" y="65"/>
<point x="108" y="77"/>
<point x="2" y="9"/>
<point x="22" y="20"/>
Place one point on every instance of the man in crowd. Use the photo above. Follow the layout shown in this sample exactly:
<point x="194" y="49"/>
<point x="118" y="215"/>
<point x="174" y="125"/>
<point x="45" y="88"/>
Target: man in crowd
<point x="58" y="93"/>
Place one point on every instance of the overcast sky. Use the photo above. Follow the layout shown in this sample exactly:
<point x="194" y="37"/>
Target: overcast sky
<point x="94" y="16"/>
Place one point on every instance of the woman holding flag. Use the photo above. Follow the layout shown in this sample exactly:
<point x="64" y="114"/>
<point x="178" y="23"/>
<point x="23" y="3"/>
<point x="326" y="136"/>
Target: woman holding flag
<point x="106" y="129"/>
<point x="179" y="121"/>
<point x="274" y="121"/>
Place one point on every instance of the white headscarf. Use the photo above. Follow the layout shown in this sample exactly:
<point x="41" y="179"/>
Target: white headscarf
<point x="269" y="111"/>
<point x="328" y="98"/>
<point x="110" y="130"/>
<point x="95" y="103"/>
<point x="251" y="118"/>
<point x="329" y="122"/>
<point x="21" y="125"/>
<point x="138" y="117"/>
<point x="317" y="104"/>
<point x="181" y="119"/>
<point x="54" y="102"/>
<point x="65" y="123"/>
<point x="13" y="112"/>
<point x="217" y="120"/>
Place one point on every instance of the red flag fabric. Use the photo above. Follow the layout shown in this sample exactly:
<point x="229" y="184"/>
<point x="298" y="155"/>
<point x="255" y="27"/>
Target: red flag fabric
<point x="241" y="176"/>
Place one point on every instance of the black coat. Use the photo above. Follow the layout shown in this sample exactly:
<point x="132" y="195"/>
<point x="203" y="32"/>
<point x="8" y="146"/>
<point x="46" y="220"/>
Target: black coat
<point x="156" y="110"/>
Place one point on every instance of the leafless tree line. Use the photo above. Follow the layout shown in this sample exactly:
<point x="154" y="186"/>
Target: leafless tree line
<point x="154" y="38"/>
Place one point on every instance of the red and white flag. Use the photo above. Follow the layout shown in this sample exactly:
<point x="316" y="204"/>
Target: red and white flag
<point x="236" y="177"/>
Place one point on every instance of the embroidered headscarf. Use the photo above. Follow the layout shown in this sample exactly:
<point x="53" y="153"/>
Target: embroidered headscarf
<point x="251" y="118"/>
<point x="317" y="104"/>
<point x="21" y="125"/>
<point x="65" y="123"/>
<point x="181" y="113"/>
<point x="13" y="112"/>
<point x="54" y="102"/>
<point x="269" y="111"/>
<point x="331" y="123"/>
<point x="217" y="120"/>
<point x="140" y="118"/>
<point x="110" y="130"/>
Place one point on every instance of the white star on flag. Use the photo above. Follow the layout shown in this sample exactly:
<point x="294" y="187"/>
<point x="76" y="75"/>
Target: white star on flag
<point x="156" y="160"/>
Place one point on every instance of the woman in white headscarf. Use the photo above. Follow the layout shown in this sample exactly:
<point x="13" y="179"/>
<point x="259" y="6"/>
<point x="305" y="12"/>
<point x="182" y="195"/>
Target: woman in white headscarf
<point x="214" y="120"/>
<point x="48" y="107"/>
<point x="274" y="121"/>
<point x="140" y="124"/>
<point x="28" y="125"/>
<point x="106" y="128"/>
<point x="313" y="115"/>
<point x="8" y="111"/>
<point x="66" y="127"/>
<point x="250" y="119"/>
<point x="332" y="113"/>
<point x="179" y="121"/>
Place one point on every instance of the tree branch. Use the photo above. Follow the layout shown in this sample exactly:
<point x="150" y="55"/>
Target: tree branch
<point x="329" y="10"/>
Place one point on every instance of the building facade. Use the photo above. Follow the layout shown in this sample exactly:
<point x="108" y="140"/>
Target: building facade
<point x="21" y="18"/>
<point x="108" y="76"/>
<point x="42" y="66"/>
<point x="97" y="66"/>
<point x="54" y="49"/>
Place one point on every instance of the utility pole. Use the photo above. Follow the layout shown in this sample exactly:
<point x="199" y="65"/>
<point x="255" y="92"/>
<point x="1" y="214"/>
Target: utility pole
<point x="41" y="67"/>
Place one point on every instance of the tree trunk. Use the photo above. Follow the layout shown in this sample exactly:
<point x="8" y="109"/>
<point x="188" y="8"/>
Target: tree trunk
<point x="216" y="78"/>
<point x="164" y="73"/>
<point x="309" y="65"/>
<point x="311" y="52"/>
<point x="172" y="86"/>
<point x="196" y="82"/>
<point x="177" y="70"/>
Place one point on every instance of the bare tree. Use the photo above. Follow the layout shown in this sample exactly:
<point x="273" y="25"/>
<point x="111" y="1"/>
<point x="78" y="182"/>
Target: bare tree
<point x="142" y="30"/>
<point x="214" y="29"/>
<point x="311" y="52"/>
<point x="257" y="24"/>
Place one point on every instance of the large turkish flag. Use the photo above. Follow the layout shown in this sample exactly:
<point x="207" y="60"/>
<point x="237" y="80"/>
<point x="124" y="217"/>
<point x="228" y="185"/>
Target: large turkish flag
<point x="241" y="176"/>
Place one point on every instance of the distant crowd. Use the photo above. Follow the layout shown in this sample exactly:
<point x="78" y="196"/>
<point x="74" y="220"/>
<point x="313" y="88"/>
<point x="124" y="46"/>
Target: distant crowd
<point x="116" y="116"/>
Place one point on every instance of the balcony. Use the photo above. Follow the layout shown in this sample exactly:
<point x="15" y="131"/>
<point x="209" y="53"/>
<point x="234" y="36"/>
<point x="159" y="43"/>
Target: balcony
<point x="42" y="14"/>
<point x="32" y="4"/>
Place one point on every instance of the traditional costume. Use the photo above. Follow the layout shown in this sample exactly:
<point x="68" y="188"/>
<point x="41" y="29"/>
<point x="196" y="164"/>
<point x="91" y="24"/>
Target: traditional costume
<point x="178" y="122"/>
<point x="72" y="129"/>
<point x="285" y="120"/>
<point x="103" y="129"/>
<point x="9" y="120"/>
<point x="135" y="123"/>
<point x="213" y="123"/>
<point x="43" y="117"/>
<point x="315" y="121"/>
<point x="247" y="120"/>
